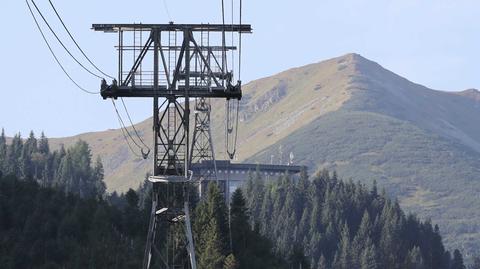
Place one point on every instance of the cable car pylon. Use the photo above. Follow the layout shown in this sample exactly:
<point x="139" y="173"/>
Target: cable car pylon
<point x="173" y="69"/>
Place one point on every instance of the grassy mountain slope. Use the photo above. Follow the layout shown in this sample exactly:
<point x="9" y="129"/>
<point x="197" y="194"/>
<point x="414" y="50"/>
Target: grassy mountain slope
<point x="352" y="115"/>
<point x="421" y="145"/>
<point x="123" y="170"/>
<point x="270" y="110"/>
<point x="430" y="175"/>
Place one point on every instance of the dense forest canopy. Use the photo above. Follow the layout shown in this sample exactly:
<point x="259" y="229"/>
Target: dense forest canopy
<point x="69" y="169"/>
<point x="54" y="213"/>
<point x="329" y="223"/>
<point x="46" y="228"/>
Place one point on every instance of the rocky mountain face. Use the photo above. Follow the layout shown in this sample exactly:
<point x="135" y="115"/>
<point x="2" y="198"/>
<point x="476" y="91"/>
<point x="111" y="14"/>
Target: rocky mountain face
<point x="351" y="115"/>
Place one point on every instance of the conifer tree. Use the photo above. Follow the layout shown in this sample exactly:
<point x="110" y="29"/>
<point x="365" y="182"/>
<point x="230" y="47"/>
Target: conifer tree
<point x="211" y="229"/>
<point x="362" y="237"/>
<point x="457" y="262"/>
<point x="239" y="222"/>
<point x="322" y="263"/>
<point x="230" y="262"/>
<point x="414" y="259"/>
<point x="211" y="256"/>
<point x="27" y="164"/>
<point x="98" y="175"/>
<point x="344" y="255"/>
<point x="43" y="146"/>
<point x="13" y="156"/>
<point x="3" y="150"/>
<point x="368" y="257"/>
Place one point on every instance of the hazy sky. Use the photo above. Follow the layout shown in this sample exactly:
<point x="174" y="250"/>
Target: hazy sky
<point x="431" y="42"/>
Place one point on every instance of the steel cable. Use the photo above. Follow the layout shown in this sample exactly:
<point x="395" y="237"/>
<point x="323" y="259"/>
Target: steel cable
<point x="133" y="125"/>
<point x="62" y="44"/>
<point x="53" y="53"/>
<point x="124" y="129"/>
<point x="74" y="41"/>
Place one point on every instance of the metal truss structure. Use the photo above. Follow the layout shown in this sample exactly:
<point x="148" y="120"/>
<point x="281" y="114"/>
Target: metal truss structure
<point x="174" y="64"/>
<point x="202" y="144"/>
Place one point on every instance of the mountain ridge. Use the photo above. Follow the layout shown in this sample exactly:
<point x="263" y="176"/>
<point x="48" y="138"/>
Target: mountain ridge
<point x="351" y="115"/>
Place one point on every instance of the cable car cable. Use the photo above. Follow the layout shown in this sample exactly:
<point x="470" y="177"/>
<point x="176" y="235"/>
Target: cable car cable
<point x="74" y="41"/>
<point x="61" y="43"/>
<point x="53" y="53"/>
<point x="133" y="125"/>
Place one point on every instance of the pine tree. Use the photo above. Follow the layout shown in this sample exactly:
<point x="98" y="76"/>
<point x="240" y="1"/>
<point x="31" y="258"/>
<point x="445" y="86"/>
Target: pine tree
<point x="322" y="263"/>
<point x="447" y="259"/>
<point x="97" y="177"/>
<point x="368" y="258"/>
<point x="438" y="250"/>
<point x="64" y="175"/>
<point x="230" y="262"/>
<point x="132" y="198"/>
<point x="27" y="165"/>
<point x="457" y="262"/>
<point x="414" y="259"/>
<point x="345" y="258"/>
<point x="13" y="156"/>
<point x="3" y="150"/>
<point x="211" y="256"/>
<point x="211" y="229"/>
<point x="43" y="146"/>
<point x="362" y="237"/>
<point x="239" y="222"/>
<point x="390" y="235"/>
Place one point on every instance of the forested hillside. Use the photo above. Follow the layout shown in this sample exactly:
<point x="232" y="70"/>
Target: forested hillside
<point x="336" y="224"/>
<point x="57" y="215"/>
<point x="69" y="169"/>
<point x="350" y="115"/>
<point x="325" y="223"/>
<point x="54" y="213"/>
<point x="46" y="228"/>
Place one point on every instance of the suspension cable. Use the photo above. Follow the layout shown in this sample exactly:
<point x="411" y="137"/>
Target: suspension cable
<point x="53" y="53"/>
<point x="236" y="130"/>
<point x="232" y="34"/>
<point x="240" y="46"/>
<point x="124" y="128"/>
<point x="74" y="41"/>
<point x="61" y="43"/>
<point x="166" y="9"/>
<point x="231" y="125"/>
<point x="133" y="125"/>
<point x="126" y="139"/>
<point x="239" y="74"/>
<point x="224" y="54"/>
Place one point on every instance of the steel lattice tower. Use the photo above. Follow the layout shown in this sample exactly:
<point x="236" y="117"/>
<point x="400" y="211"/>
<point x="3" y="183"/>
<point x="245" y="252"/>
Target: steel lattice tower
<point x="171" y="67"/>
<point x="202" y="144"/>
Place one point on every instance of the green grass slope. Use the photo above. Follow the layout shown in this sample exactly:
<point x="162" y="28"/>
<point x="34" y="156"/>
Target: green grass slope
<point x="430" y="175"/>
<point x="422" y="145"/>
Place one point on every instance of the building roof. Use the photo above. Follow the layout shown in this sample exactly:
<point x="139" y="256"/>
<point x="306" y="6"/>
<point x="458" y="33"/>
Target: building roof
<point x="227" y="165"/>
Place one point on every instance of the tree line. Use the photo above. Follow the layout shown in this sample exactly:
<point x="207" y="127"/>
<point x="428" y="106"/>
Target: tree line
<point x="328" y="223"/>
<point x="54" y="213"/>
<point x="43" y="227"/>
<point x="68" y="169"/>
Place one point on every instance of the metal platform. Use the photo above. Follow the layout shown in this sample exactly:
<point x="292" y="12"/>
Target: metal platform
<point x="243" y="28"/>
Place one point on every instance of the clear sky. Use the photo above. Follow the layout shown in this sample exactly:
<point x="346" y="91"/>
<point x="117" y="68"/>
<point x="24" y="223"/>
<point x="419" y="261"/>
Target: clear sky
<point x="431" y="42"/>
